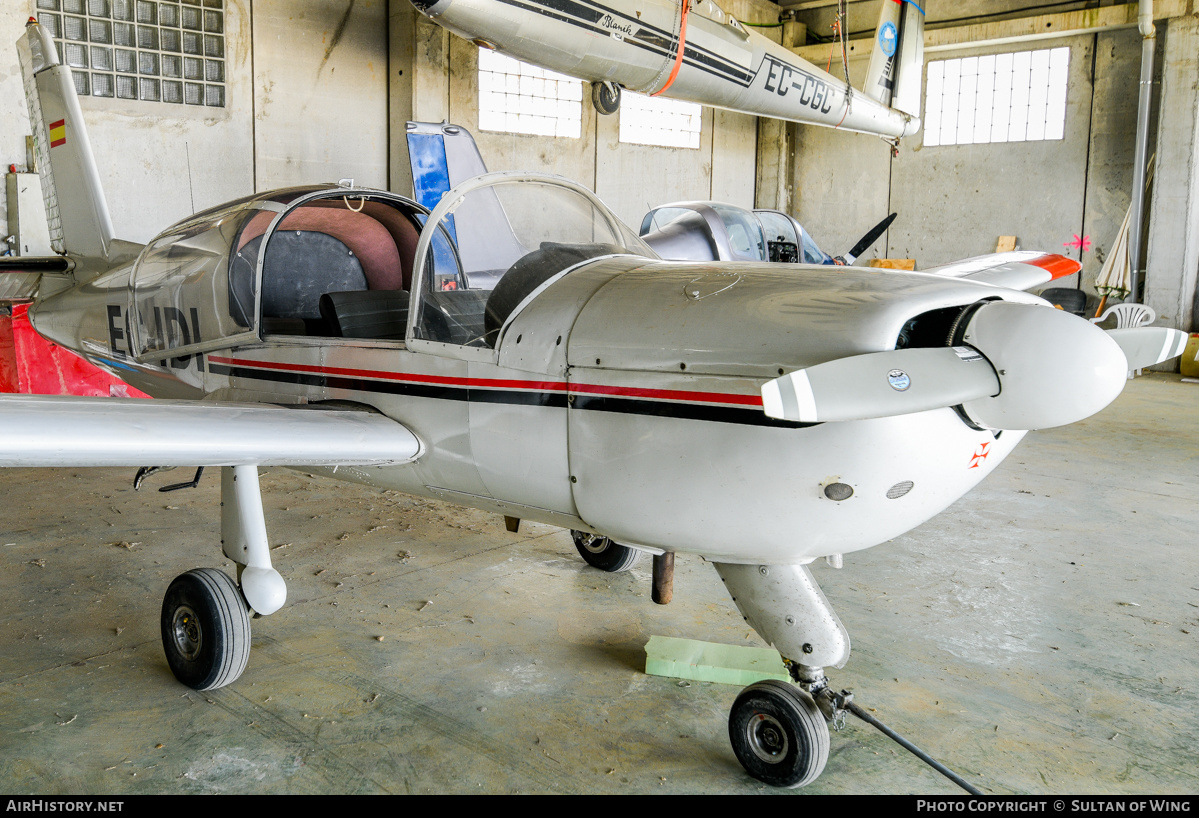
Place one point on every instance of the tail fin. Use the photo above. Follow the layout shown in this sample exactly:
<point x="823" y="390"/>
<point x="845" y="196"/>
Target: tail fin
<point x="897" y="63"/>
<point x="79" y="220"/>
<point x="442" y="156"/>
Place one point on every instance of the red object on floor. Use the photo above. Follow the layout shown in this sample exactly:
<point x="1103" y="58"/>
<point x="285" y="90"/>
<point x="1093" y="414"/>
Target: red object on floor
<point x="43" y="368"/>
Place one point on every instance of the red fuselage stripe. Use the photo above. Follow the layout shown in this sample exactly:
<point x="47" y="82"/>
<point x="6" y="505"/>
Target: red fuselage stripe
<point x="498" y="383"/>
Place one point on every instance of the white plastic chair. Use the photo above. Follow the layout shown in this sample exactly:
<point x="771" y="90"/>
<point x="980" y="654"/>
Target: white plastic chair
<point x="1128" y="315"/>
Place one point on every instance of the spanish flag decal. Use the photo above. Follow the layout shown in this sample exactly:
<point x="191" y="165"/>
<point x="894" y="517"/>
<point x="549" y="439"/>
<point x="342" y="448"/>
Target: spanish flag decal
<point x="58" y="133"/>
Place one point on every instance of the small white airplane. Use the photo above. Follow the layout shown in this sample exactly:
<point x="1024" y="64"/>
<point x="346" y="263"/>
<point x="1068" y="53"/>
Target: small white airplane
<point x="694" y="50"/>
<point x="517" y="349"/>
<point x="718" y="231"/>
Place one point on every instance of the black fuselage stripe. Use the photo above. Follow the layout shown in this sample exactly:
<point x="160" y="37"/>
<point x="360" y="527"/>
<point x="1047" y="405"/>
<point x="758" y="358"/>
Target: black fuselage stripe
<point x="648" y="38"/>
<point x="414" y="390"/>
<point x="516" y="397"/>
<point x="686" y="411"/>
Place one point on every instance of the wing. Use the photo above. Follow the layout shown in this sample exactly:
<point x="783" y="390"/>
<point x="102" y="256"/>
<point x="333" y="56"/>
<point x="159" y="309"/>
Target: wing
<point x="1021" y="270"/>
<point x="74" y="431"/>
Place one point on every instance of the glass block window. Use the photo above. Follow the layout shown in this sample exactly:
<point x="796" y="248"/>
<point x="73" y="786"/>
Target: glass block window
<point x="146" y="50"/>
<point x="1018" y="97"/>
<point x="669" y="123"/>
<point x="515" y="97"/>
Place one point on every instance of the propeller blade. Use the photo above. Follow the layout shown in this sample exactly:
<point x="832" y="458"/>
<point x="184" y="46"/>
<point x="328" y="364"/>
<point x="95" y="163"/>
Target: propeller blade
<point x="870" y="238"/>
<point x="880" y="384"/>
<point x="1146" y="346"/>
<point x="1010" y="376"/>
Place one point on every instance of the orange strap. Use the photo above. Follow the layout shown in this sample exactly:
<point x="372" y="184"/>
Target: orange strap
<point x="678" y="57"/>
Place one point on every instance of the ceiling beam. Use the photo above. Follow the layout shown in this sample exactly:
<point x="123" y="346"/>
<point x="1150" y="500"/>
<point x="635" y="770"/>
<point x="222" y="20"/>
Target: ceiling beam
<point x="1023" y="29"/>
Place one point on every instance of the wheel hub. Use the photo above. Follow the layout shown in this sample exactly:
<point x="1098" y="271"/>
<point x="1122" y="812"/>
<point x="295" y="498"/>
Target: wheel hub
<point x="185" y="630"/>
<point x="594" y="544"/>
<point x="767" y="738"/>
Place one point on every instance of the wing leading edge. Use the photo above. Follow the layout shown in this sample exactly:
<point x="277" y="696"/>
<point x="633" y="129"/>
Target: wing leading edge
<point x="1019" y="270"/>
<point x="73" y="431"/>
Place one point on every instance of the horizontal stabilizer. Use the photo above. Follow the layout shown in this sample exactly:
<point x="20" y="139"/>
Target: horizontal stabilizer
<point x="20" y="276"/>
<point x="74" y="431"/>
<point x="34" y="264"/>
<point x="881" y="384"/>
<point x="1020" y="270"/>
<point x="1146" y="346"/>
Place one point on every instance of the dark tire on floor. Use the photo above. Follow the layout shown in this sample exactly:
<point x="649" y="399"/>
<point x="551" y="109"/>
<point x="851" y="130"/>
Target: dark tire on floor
<point x="779" y="734"/>
<point x="205" y="629"/>
<point x="600" y="552"/>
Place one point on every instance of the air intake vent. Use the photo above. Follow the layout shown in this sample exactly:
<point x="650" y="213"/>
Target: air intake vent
<point x="899" y="490"/>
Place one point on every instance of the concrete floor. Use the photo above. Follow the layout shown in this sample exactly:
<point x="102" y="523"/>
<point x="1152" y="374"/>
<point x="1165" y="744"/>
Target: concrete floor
<point x="1039" y="637"/>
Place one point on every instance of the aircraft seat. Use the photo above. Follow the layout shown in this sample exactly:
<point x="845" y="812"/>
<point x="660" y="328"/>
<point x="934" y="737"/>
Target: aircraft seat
<point x="363" y="235"/>
<point x="379" y="314"/>
<point x="327" y="246"/>
<point x="455" y="316"/>
<point x="530" y="272"/>
<point x="402" y="230"/>
<point x="300" y="267"/>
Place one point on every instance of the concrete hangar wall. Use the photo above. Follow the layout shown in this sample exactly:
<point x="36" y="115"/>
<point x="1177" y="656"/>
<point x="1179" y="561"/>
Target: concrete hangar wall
<point x="954" y="201"/>
<point x="319" y="90"/>
<point x="304" y="86"/>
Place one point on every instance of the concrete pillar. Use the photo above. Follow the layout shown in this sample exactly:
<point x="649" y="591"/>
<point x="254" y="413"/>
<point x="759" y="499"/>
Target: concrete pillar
<point x="418" y="79"/>
<point x="1173" y="258"/>
<point x="795" y="34"/>
<point x="776" y="157"/>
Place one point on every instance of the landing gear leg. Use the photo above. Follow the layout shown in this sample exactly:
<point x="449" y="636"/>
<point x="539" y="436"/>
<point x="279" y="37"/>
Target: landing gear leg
<point x="243" y="539"/>
<point x="779" y="731"/>
<point x="205" y="615"/>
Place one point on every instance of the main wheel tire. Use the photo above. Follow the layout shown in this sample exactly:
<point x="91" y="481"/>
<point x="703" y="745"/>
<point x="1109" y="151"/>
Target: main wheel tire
<point x="605" y="96"/>
<point x="205" y="629"/>
<point x="779" y="734"/>
<point x="600" y="552"/>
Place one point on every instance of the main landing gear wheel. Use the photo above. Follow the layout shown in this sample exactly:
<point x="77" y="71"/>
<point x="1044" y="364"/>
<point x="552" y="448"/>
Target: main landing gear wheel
<point x="605" y="96"/>
<point x="205" y="629"/>
<point x="600" y="552"/>
<point x="779" y="734"/>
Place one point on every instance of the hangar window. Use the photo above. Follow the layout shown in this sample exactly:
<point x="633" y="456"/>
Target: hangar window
<point x="1017" y="97"/>
<point x="669" y="123"/>
<point x="515" y="97"/>
<point x="140" y="49"/>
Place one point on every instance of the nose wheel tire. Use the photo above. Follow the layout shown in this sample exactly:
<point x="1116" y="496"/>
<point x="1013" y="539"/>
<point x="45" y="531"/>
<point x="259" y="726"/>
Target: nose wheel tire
<point x="600" y="552"/>
<point x="779" y="734"/>
<point x="205" y="629"/>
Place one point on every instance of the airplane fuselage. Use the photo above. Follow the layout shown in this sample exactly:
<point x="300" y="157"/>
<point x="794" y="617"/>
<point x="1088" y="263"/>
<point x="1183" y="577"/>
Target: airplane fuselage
<point x="644" y="429"/>
<point x="724" y="64"/>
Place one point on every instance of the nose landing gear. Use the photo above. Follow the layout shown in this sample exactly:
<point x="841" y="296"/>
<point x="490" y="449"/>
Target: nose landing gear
<point x="779" y="734"/>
